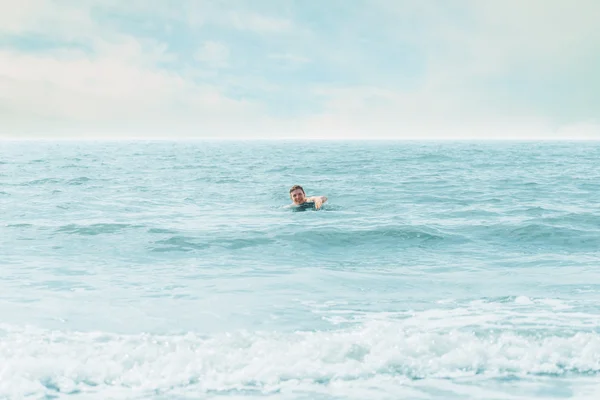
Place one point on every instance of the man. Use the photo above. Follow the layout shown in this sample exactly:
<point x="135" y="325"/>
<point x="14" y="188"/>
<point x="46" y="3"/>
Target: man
<point x="299" y="197"/>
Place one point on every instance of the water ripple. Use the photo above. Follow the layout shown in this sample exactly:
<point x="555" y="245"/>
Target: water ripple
<point x="93" y="229"/>
<point x="435" y="270"/>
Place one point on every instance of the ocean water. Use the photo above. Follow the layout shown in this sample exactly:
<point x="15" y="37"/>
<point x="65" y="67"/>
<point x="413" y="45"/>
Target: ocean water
<point x="174" y="270"/>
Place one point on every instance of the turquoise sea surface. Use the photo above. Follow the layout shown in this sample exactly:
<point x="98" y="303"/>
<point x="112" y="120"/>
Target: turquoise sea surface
<point x="175" y="270"/>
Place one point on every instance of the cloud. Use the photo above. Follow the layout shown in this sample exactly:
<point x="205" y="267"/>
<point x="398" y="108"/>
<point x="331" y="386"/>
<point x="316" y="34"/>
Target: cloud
<point x="47" y="19"/>
<point x="490" y="70"/>
<point x="288" y="58"/>
<point x="382" y="69"/>
<point x="258" y="23"/>
<point x="513" y="56"/>
<point x="111" y="91"/>
<point x="213" y="54"/>
<point x="114" y="87"/>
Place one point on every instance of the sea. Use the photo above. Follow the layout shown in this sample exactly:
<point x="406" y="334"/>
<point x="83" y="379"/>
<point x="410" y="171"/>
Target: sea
<point x="178" y="270"/>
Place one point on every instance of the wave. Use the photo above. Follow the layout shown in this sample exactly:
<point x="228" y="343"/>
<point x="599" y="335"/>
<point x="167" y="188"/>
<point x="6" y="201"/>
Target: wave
<point x="69" y="166"/>
<point x="549" y="235"/>
<point x="160" y="230"/>
<point x="379" y="354"/>
<point x="536" y="233"/>
<point x="432" y="157"/>
<point x="78" y="181"/>
<point x="178" y="243"/>
<point x="20" y="225"/>
<point x="216" y="179"/>
<point x="341" y="237"/>
<point x="539" y="211"/>
<point x="467" y="213"/>
<point x="317" y="238"/>
<point x="43" y="181"/>
<point x="580" y="220"/>
<point x="93" y="229"/>
<point x="189" y="243"/>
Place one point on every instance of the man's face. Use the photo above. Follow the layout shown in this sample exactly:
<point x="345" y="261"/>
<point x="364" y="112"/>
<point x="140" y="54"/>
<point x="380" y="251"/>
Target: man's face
<point x="297" y="196"/>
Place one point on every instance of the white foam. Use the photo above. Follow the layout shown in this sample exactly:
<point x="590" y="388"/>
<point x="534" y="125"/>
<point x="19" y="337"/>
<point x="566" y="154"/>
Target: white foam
<point x="523" y="300"/>
<point x="396" y="356"/>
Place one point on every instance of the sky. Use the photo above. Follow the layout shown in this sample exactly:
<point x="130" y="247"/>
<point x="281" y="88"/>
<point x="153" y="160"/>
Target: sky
<point x="303" y="69"/>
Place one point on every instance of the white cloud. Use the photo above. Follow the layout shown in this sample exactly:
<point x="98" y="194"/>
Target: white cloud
<point x="486" y="63"/>
<point x="45" y="17"/>
<point x="111" y="91"/>
<point x="378" y="113"/>
<point x="114" y="88"/>
<point x="251" y="21"/>
<point x="214" y="54"/>
<point x="538" y="28"/>
<point x="587" y="130"/>
<point x="481" y="38"/>
<point x="289" y="58"/>
<point x="117" y="88"/>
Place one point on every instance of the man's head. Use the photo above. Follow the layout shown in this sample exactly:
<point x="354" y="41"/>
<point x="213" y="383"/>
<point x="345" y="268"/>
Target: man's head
<point x="297" y="194"/>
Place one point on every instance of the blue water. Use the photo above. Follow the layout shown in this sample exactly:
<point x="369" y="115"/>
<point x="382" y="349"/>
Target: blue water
<point x="173" y="270"/>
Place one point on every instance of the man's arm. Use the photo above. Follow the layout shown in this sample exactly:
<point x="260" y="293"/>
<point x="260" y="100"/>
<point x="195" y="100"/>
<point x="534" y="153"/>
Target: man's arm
<point x="318" y="200"/>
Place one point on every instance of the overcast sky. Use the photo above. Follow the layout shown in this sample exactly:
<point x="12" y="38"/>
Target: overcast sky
<point x="395" y="69"/>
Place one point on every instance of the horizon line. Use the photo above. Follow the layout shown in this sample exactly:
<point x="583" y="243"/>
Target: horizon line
<point x="290" y="139"/>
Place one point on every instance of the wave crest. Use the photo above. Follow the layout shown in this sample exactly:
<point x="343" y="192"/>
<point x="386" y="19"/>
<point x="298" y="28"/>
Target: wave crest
<point x="48" y="362"/>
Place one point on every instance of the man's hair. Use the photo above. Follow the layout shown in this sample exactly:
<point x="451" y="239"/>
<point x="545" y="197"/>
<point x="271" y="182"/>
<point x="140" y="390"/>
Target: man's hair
<point x="297" y="187"/>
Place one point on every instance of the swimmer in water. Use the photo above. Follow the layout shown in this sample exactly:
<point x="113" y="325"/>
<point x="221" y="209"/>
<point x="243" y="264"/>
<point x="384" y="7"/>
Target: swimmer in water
<point x="299" y="197"/>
